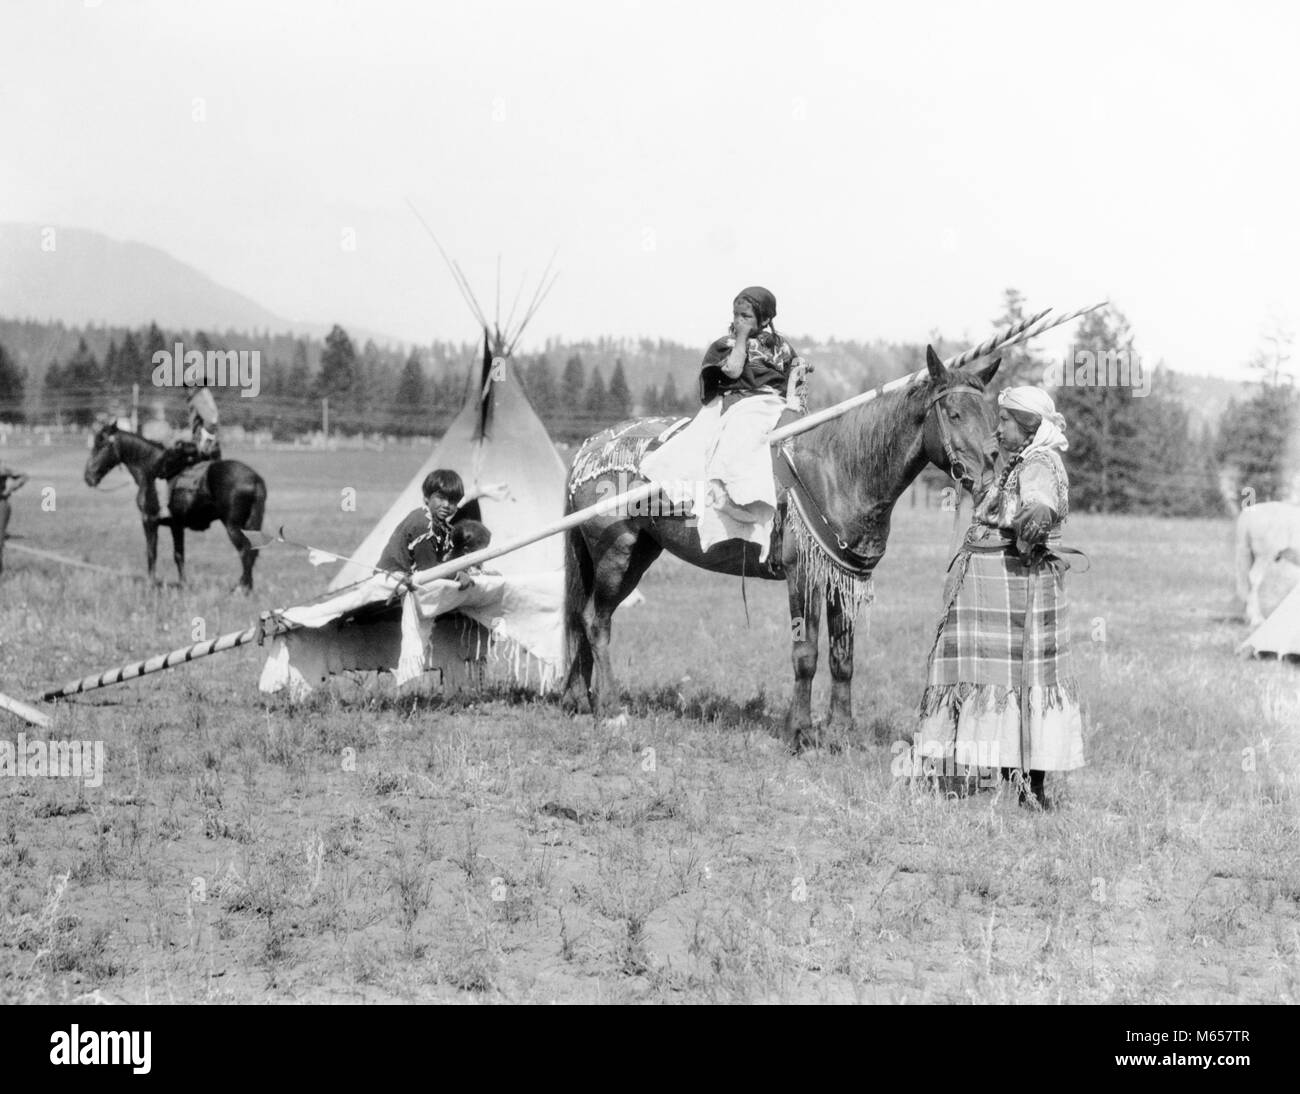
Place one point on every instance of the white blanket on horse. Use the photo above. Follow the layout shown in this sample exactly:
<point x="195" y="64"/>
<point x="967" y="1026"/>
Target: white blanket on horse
<point x="729" y="448"/>
<point x="521" y="615"/>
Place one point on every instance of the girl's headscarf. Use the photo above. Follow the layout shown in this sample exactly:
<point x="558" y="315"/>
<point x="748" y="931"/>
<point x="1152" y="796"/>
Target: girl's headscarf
<point x="763" y="303"/>
<point x="1050" y="435"/>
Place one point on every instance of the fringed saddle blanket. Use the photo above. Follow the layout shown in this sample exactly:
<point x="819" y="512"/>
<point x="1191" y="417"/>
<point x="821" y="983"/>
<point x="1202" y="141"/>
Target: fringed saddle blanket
<point x="620" y="448"/>
<point x="189" y="487"/>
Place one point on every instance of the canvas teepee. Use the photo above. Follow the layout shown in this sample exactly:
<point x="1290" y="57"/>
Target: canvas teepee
<point x="496" y="438"/>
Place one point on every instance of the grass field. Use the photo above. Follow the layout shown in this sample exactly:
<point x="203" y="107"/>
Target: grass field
<point x="501" y="851"/>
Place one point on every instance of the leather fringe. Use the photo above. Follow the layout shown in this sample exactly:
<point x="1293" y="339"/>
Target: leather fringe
<point x="623" y="455"/>
<point x="953" y="697"/>
<point x="824" y="576"/>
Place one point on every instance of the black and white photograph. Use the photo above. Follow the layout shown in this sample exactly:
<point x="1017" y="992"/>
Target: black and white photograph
<point x="650" y="503"/>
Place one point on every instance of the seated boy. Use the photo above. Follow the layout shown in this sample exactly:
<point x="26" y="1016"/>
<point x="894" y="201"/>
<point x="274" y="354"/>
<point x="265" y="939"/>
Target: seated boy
<point x="424" y="538"/>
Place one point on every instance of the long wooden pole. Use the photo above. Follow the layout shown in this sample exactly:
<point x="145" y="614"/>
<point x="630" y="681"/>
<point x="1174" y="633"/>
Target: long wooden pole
<point x="224" y="642"/>
<point x="1021" y="332"/>
<point x="153" y="664"/>
<point x="26" y="713"/>
<point x="64" y="560"/>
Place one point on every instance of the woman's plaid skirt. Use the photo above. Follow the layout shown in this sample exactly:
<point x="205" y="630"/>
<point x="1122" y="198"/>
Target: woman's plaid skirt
<point x="1000" y="689"/>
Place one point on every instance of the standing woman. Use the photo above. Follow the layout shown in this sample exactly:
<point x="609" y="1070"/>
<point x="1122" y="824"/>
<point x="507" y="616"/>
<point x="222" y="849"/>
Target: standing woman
<point x="9" y="482"/>
<point x="1000" y="689"/>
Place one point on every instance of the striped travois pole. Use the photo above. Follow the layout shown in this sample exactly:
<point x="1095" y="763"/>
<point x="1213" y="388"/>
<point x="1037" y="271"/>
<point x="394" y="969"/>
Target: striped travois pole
<point x="447" y="569"/>
<point x="156" y="664"/>
<point x="1013" y="336"/>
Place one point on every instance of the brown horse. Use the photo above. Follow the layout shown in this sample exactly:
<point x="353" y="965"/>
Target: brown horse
<point x="852" y="469"/>
<point x="227" y="490"/>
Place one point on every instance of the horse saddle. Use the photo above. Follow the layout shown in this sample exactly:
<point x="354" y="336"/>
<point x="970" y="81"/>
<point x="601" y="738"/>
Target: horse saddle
<point x="190" y="496"/>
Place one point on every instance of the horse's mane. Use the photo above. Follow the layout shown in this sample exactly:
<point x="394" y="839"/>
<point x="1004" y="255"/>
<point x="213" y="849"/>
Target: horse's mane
<point x="137" y="439"/>
<point x="869" y="439"/>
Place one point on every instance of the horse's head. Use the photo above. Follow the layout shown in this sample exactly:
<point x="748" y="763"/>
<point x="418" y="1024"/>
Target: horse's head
<point x="958" y="425"/>
<point x="104" y="454"/>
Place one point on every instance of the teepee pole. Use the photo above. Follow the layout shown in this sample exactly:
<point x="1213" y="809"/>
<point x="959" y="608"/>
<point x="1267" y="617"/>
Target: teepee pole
<point x="26" y="713"/>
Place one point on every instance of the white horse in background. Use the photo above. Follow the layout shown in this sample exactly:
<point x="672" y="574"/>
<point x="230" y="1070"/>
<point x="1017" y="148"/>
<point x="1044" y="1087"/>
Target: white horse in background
<point x="1265" y="532"/>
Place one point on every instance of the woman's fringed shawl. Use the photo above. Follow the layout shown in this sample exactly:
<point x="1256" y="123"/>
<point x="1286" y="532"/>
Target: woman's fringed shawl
<point x="982" y="697"/>
<point x="823" y="576"/>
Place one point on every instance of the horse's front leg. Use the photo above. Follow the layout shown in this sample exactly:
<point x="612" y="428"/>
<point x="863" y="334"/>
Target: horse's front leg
<point x="839" y="627"/>
<point x="147" y="502"/>
<point x="151" y="547"/>
<point x="178" y="549"/>
<point x="805" y="628"/>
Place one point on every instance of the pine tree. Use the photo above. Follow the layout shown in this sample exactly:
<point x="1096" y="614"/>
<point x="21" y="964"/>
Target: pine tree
<point x="1256" y="439"/>
<point x="131" y="364"/>
<point x="370" y="382"/>
<point x="574" y="386"/>
<point x="539" y="381"/>
<point x="1020" y="364"/>
<point x="650" y="400"/>
<point x="338" y="365"/>
<point x="1104" y="460"/>
<point x="111" y="366"/>
<point x="81" y="385"/>
<point x="12" y="382"/>
<point x="52" y="392"/>
<point x="619" y="397"/>
<point x="154" y="343"/>
<point x="596" y="403"/>
<point x="411" y="393"/>
<point x="299" y="388"/>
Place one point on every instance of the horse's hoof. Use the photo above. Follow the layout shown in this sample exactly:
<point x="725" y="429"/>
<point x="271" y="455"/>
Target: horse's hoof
<point x="574" y="702"/>
<point x="836" y="735"/>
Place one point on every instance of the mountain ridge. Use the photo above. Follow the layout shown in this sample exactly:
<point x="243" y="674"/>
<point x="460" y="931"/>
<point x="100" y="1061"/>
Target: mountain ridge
<point x="81" y="277"/>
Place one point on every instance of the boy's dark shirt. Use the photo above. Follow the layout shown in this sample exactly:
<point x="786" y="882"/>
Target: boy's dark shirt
<point x="431" y="538"/>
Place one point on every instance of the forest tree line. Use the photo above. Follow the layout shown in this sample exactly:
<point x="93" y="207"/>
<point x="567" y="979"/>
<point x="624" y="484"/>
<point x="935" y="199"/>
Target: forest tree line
<point x="1129" y="451"/>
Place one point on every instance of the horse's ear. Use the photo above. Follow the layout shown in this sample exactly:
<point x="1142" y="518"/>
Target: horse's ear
<point x="932" y="362"/>
<point x="986" y="373"/>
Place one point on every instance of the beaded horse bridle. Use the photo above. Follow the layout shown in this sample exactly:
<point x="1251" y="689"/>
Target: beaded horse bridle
<point x="956" y="465"/>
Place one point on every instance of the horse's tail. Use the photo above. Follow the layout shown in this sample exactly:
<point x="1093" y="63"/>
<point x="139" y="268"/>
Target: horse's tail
<point x="579" y="580"/>
<point x="1244" y="556"/>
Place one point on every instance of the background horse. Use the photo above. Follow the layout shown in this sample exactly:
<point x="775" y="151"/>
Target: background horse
<point x="226" y="490"/>
<point x="854" y="468"/>
<point x="1264" y="532"/>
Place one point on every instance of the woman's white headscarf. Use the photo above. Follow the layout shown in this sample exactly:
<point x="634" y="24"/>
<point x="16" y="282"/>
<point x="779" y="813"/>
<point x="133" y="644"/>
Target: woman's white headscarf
<point x="1051" y="428"/>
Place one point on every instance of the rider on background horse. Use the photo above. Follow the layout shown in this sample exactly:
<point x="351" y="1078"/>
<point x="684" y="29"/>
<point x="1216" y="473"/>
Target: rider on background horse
<point x="203" y="445"/>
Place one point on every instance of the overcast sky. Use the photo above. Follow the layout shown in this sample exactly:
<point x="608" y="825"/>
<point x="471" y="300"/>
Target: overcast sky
<point x="886" y="169"/>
